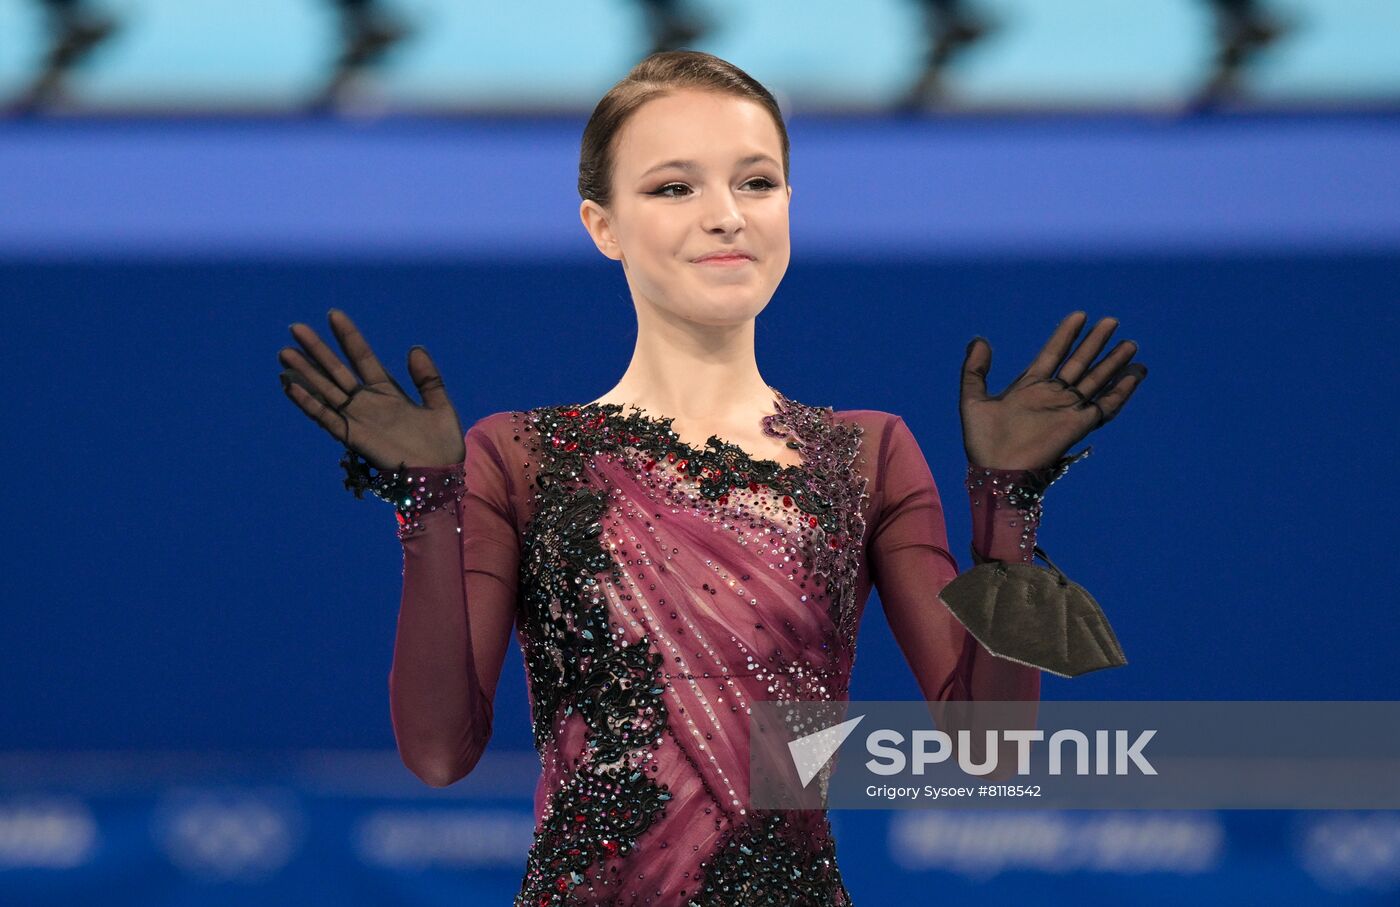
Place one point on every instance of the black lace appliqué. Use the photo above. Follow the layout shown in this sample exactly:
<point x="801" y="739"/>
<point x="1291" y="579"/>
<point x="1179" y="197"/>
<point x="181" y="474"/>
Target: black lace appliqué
<point x="578" y="663"/>
<point x="759" y="865"/>
<point x="826" y="484"/>
<point x="596" y="816"/>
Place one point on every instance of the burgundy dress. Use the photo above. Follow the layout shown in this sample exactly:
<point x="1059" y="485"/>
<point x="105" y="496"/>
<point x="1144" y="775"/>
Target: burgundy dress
<point x="658" y="589"/>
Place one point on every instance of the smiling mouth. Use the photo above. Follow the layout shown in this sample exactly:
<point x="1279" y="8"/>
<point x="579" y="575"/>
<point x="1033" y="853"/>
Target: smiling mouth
<point x="724" y="260"/>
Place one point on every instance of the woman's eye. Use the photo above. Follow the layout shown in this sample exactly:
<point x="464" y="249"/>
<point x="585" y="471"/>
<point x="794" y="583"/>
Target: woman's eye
<point x="764" y="184"/>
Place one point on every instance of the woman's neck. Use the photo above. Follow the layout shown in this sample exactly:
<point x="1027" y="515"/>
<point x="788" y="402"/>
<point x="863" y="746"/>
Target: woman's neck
<point x="694" y="407"/>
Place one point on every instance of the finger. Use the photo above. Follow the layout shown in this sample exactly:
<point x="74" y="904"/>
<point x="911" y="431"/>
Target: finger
<point x="292" y="376"/>
<point x="1050" y="355"/>
<point x="1107" y="369"/>
<point x="1116" y="396"/>
<point x="362" y="358"/>
<point x="426" y="378"/>
<point x="305" y="363"/>
<point x="317" y="351"/>
<point x="310" y="376"/>
<point x="1087" y="351"/>
<point x="316" y="410"/>
<point x="977" y="360"/>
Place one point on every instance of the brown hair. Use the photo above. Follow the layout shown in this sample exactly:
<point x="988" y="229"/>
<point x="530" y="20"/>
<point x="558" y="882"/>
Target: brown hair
<point x="655" y="77"/>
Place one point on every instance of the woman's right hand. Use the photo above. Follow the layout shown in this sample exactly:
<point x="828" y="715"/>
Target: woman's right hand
<point x="379" y="422"/>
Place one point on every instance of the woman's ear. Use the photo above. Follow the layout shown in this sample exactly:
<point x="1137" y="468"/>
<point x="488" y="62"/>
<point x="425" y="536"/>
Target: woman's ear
<point x="596" y="222"/>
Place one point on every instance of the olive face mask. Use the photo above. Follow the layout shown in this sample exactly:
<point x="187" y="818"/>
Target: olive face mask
<point x="1034" y="616"/>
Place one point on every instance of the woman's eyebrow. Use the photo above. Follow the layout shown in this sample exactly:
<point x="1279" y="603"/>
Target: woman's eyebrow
<point x="692" y="166"/>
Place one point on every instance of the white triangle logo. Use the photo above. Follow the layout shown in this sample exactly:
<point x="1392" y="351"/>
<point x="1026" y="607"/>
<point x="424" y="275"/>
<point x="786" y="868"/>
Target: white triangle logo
<point x="811" y="752"/>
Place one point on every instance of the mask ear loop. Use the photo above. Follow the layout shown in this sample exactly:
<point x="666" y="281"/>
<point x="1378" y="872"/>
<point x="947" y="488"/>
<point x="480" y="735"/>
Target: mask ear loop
<point x="1059" y="574"/>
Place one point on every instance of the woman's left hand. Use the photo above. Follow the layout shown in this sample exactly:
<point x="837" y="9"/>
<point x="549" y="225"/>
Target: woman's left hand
<point x="1041" y="415"/>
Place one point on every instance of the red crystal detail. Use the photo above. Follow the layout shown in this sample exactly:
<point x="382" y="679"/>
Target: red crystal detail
<point x="610" y="846"/>
<point x="571" y="446"/>
<point x="571" y="413"/>
<point x="787" y="501"/>
<point x="812" y="520"/>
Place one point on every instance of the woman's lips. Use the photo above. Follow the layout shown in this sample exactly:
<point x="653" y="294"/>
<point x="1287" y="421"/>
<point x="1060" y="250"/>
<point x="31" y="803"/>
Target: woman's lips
<point x="725" y="261"/>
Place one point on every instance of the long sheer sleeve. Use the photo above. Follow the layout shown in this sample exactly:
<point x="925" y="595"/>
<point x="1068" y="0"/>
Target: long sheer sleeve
<point x="455" y="617"/>
<point x="910" y="564"/>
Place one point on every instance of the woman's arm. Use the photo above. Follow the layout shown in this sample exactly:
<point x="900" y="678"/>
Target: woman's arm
<point x="455" y="618"/>
<point x="910" y="564"/>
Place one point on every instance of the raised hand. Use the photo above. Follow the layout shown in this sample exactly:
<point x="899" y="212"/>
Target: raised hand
<point x="367" y="410"/>
<point x="1042" y="414"/>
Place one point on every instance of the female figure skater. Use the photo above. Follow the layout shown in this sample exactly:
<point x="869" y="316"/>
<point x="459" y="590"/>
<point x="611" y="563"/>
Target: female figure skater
<point x="692" y="541"/>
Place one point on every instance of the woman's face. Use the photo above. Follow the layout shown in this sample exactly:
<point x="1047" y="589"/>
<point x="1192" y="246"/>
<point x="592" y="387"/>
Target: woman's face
<point x="695" y="173"/>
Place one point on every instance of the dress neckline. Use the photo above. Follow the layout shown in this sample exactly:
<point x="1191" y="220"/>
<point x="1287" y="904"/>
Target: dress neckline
<point x="776" y="424"/>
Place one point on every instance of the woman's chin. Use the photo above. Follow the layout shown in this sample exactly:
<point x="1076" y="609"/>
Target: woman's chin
<point x="717" y="309"/>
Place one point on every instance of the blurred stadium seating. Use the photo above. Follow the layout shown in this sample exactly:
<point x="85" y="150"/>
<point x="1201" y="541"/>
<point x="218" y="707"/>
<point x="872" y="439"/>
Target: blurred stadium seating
<point x="541" y="55"/>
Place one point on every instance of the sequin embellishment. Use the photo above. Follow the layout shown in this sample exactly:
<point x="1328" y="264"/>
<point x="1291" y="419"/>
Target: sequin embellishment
<point x="414" y="491"/>
<point x="826" y="485"/>
<point x="1018" y="490"/>
<point x="759" y="866"/>
<point x="582" y="668"/>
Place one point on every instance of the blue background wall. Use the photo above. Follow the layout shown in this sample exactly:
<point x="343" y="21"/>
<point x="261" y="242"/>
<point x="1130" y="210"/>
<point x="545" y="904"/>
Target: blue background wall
<point x="199" y="619"/>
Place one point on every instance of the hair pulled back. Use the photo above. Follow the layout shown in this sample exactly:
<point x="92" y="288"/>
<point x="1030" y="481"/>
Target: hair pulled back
<point x="656" y="76"/>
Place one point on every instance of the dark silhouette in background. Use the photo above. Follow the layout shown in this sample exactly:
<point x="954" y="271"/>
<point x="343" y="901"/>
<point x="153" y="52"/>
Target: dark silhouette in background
<point x="75" y="30"/>
<point x="1243" y="28"/>
<point x="950" y="28"/>
<point x="368" y="32"/>
<point x="673" y="25"/>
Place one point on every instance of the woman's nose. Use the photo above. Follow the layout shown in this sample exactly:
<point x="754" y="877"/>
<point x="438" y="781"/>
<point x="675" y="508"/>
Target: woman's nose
<point x="723" y="214"/>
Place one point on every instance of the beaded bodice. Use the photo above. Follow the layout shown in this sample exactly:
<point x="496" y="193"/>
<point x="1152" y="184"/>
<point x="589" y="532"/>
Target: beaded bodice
<point x="642" y="648"/>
